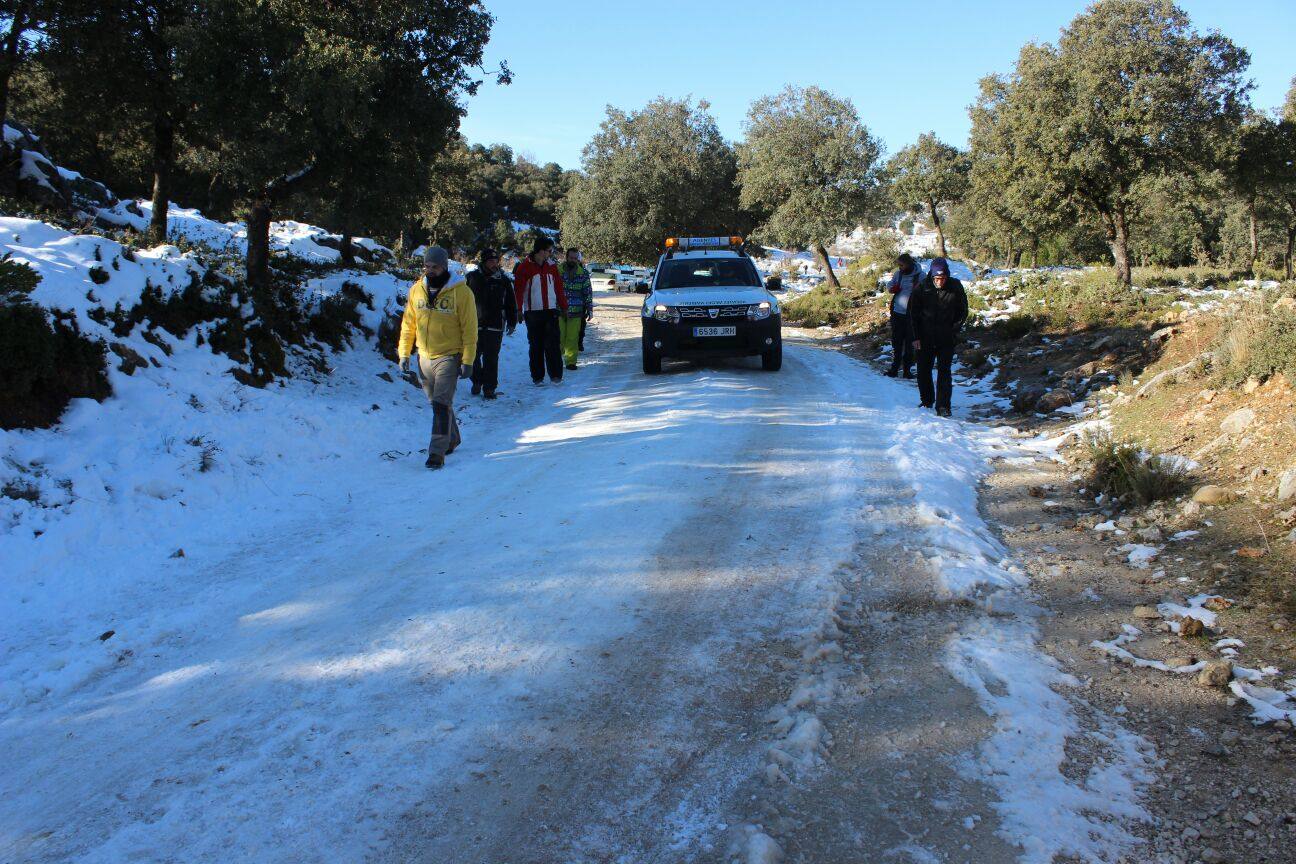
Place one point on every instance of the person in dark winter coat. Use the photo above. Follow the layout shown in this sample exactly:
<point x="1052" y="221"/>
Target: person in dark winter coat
<point x="903" y="282"/>
<point x="538" y="289"/>
<point x="937" y="309"/>
<point x="496" y="316"/>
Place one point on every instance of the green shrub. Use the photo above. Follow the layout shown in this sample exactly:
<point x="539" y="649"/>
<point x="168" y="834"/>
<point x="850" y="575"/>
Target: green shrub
<point x="1119" y="470"/>
<point x="1087" y="299"/>
<point x="98" y="275"/>
<point x="44" y="364"/>
<point x="1259" y="342"/>
<point x="17" y="279"/>
<point x="1016" y="326"/>
<point x="333" y="321"/>
<point x="819" y="307"/>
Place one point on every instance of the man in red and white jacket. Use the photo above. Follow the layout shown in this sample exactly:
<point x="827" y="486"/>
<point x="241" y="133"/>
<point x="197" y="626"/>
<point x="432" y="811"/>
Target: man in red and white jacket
<point x="541" y="300"/>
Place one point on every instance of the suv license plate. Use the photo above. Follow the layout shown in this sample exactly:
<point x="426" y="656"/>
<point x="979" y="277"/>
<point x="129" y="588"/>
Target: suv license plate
<point x="715" y="331"/>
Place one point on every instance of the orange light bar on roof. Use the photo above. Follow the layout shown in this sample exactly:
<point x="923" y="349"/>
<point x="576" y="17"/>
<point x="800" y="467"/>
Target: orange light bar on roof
<point x="682" y="243"/>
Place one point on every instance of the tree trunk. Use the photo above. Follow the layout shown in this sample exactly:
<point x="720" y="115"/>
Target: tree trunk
<point x="822" y="254"/>
<point x="163" y="158"/>
<point x="1255" y="239"/>
<point x="940" y="232"/>
<point x="258" y="244"/>
<point x="1118" y="239"/>
<point x="347" y="249"/>
<point x="13" y="39"/>
<point x="1008" y="259"/>
<point x="1291" y="247"/>
<point x="1035" y="252"/>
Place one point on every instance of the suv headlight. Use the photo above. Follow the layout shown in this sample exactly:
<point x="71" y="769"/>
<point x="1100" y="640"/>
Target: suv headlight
<point x="666" y="314"/>
<point x="760" y="311"/>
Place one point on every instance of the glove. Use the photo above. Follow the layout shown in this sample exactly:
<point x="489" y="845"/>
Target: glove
<point x="404" y="364"/>
<point x="465" y="371"/>
<point x="589" y="314"/>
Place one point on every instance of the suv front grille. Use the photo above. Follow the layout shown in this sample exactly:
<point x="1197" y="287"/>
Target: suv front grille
<point x="705" y="312"/>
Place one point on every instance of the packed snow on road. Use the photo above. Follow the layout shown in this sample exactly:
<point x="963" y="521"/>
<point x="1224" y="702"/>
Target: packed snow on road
<point x="716" y="614"/>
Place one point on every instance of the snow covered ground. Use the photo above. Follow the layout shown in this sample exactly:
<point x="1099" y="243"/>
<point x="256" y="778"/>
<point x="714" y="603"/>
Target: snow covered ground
<point x="578" y="624"/>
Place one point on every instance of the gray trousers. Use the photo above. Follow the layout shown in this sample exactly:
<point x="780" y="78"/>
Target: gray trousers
<point x="440" y="376"/>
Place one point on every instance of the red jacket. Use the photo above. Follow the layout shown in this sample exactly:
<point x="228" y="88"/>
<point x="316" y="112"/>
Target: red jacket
<point x="538" y="286"/>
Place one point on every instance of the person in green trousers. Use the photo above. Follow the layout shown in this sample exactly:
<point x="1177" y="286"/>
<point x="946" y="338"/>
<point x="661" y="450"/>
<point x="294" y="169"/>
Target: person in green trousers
<point x="580" y="304"/>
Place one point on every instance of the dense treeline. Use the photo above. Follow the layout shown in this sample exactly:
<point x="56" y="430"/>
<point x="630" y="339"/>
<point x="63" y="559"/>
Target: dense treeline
<point x="1132" y="136"/>
<point x="807" y="170"/>
<point x="1131" y="139"/>
<point x="345" y="114"/>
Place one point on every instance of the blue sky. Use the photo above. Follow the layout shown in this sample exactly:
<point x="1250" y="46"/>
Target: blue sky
<point x="908" y="67"/>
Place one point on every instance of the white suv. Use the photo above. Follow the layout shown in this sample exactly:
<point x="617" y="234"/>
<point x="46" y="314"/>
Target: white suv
<point x="707" y="300"/>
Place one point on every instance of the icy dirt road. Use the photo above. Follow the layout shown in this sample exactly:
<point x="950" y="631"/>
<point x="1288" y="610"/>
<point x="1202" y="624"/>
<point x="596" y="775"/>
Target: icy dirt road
<point x="715" y="615"/>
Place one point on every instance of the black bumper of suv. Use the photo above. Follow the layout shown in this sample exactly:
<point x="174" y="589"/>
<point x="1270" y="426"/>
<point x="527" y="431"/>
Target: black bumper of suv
<point x="678" y="339"/>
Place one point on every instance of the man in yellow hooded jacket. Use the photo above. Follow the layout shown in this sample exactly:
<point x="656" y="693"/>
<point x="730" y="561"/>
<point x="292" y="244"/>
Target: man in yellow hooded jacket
<point x="441" y="317"/>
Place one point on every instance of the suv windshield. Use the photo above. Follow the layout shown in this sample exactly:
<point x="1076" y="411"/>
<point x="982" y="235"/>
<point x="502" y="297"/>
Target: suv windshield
<point x="707" y="273"/>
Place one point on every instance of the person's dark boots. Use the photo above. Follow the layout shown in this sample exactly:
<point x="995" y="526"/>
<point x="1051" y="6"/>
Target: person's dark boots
<point x="476" y="390"/>
<point x="571" y="365"/>
<point x="943" y="412"/>
<point x="491" y="394"/>
<point x="434" y="461"/>
<point x="908" y="373"/>
<point x="891" y="373"/>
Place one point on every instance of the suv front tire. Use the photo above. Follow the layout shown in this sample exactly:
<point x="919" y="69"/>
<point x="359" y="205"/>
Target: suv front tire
<point x="772" y="360"/>
<point x="652" y="360"/>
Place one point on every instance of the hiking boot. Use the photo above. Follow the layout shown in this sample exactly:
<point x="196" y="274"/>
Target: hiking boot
<point x="943" y="412"/>
<point x="539" y="382"/>
<point x="491" y="394"/>
<point x="892" y="372"/>
<point x="908" y="373"/>
<point x="571" y="365"/>
<point x="434" y="461"/>
<point x="476" y="390"/>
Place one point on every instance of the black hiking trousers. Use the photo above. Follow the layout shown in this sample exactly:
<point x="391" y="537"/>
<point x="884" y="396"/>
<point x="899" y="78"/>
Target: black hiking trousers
<point x="902" y="350"/>
<point x="545" y="348"/>
<point x="485" y="374"/>
<point x="943" y="357"/>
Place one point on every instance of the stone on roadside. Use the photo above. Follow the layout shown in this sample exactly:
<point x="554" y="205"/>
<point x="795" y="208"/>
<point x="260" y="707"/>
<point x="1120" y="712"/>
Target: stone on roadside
<point x="1150" y="534"/>
<point x="1238" y="422"/>
<point x="1024" y="399"/>
<point x="1190" y="627"/>
<point x="1216" y="673"/>
<point x="1147" y="613"/>
<point x="1053" y="400"/>
<point x="1212" y="495"/>
<point x="1179" y="662"/>
<point x="1287" y="485"/>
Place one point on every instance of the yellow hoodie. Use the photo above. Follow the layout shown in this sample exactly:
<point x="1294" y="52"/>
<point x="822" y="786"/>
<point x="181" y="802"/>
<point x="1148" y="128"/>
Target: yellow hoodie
<point x="445" y="326"/>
